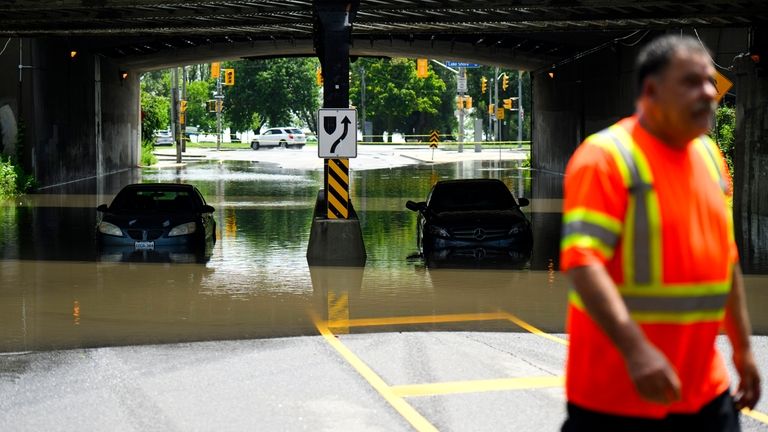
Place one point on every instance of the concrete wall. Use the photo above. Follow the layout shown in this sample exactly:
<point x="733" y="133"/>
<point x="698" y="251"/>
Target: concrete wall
<point x="68" y="133"/>
<point x="580" y="98"/>
<point x="750" y="205"/>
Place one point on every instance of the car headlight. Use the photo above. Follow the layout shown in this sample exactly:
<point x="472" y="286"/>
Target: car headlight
<point x="518" y="228"/>
<point x="438" y="231"/>
<point x="183" y="229"/>
<point x="110" y="229"/>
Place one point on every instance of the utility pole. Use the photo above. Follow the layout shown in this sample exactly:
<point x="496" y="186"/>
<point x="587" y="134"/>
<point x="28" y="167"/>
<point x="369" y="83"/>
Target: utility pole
<point x="519" y="108"/>
<point x="175" y="111"/>
<point x="461" y="78"/>
<point x="497" y="129"/>
<point x="184" y="97"/>
<point x="219" y="105"/>
<point x="362" y="100"/>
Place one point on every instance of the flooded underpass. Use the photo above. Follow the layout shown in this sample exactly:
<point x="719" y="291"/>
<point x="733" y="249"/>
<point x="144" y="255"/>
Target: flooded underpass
<point x="245" y="335"/>
<point x="58" y="291"/>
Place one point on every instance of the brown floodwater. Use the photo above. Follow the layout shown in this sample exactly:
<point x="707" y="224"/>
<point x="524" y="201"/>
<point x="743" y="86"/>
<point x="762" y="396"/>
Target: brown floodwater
<point x="58" y="291"/>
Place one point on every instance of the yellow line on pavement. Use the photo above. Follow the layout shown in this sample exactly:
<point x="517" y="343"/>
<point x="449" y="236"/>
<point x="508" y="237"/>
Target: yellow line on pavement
<point x="478" y="386"/>
<point x="397" y="402"/>
<point x="757" y="415"/>
<point x="533" y="329"/>
<point x="423" y="319"/>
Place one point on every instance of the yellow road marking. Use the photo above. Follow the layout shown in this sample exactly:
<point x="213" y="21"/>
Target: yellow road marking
<point x="478" y="386"/>
<point x="423" y="319"/>
<point x="533" y="329"/>
<point x="397" y="402"/>
<point x="757" y="415"/>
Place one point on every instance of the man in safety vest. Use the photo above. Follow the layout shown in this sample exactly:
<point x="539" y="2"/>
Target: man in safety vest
<point x="649" y="248"/>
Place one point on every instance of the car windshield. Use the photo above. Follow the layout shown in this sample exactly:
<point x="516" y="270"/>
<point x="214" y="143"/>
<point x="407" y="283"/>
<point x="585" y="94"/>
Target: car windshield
<point x="471" y="196"/>
<point x="162" y="200"/>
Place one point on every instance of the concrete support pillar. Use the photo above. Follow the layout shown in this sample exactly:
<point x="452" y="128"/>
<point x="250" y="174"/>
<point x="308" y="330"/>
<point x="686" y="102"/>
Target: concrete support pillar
<point x="750" y="205"/>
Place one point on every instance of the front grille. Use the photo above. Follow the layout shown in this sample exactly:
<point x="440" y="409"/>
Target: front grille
<point x="136" y="234"/>
<point x="152" y="234"/>
<point x="479" y="234"/>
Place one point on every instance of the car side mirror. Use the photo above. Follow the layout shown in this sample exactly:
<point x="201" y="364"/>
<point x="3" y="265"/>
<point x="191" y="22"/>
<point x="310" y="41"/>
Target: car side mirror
<point x="414" y="206"/>
<point x="523" y="202"/>
<point x="102" y="208"/>
<point x="208" y="209"/>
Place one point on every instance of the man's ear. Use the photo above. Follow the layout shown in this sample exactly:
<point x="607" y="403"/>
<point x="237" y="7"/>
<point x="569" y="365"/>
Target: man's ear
<point x="650" y="88"/>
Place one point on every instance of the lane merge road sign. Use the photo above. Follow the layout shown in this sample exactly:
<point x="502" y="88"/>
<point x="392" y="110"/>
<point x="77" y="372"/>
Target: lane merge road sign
<point x="336" y="133"/>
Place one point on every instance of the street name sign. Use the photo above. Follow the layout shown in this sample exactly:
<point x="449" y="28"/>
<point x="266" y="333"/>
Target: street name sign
<point x="336" y="133"/>
<point x="458" y="64"/>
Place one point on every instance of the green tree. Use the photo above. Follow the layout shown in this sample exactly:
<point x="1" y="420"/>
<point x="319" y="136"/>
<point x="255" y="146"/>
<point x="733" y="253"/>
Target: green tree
<point x="277" y="90"/>
<point x="725" y="125"/>
<point x="198" y="94"/>
<point x="396" y="100"/>
<point x="155" y="114"/>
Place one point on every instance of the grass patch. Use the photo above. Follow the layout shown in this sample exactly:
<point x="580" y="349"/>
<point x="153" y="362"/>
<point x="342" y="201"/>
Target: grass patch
<point x="147" y="156"/>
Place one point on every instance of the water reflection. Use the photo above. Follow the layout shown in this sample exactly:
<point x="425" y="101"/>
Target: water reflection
<point x="57" y="292"/>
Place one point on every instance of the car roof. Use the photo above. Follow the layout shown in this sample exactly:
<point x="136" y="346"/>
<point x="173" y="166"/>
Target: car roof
<point x="165" y="186"/>
<point x="467" y="181"/>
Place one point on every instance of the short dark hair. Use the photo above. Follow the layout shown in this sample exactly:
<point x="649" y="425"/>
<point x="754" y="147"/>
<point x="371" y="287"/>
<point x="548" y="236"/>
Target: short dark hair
<point x="656" y="55"/>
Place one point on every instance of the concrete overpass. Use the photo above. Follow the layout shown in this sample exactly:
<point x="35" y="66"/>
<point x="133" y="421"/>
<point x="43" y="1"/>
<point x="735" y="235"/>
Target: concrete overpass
<point x="81" y="118"/>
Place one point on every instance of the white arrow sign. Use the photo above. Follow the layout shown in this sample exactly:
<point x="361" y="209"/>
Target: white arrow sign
<point x="336" y="133"/>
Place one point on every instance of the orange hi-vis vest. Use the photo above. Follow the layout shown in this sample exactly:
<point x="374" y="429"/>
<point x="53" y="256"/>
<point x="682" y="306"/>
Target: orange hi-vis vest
<point x="657" y="218"/>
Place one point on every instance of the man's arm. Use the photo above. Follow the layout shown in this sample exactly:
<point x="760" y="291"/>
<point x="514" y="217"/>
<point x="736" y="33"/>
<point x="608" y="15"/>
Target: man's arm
<point x="738" y="329"/>
<point x="653" y="376"/>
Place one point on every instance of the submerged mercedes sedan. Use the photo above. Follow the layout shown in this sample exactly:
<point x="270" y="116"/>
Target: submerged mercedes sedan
<point x="156" y="217"/>
<point x="472" y="220"/>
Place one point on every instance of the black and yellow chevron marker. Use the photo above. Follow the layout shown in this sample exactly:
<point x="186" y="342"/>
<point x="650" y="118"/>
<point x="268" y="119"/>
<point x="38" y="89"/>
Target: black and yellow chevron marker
<point x="434" y="138"/>
<point x="338" y="189"/>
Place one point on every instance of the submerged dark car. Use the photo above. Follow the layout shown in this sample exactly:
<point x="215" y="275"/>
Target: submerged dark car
<point x="156" y="220"/>
<point x="473" y="220"/>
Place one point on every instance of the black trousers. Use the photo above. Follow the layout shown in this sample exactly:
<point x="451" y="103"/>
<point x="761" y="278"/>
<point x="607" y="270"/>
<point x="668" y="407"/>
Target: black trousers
<point x="720" y="415"/>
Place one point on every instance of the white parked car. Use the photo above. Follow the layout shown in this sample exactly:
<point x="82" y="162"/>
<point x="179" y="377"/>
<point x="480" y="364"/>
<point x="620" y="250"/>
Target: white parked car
<point x="164" y="138"/>
<point x="280" y="137"/>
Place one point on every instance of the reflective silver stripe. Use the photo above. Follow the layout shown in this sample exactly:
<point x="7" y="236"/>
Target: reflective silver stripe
<point x="642" y="236"/>
<point x="593" y="230"/>
<point x="675" y="304"/>
<point x="720" y="179"/>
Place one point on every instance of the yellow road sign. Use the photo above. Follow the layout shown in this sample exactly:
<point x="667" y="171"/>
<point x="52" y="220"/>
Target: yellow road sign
<point x="434" y="138"/>
<point x="500" y="113"/>
<point x="722" y="84"/>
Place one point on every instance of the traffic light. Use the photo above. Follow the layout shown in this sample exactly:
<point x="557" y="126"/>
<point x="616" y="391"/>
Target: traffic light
<point x="508" y="103"/>
<point x="215" y="69"/>
<point x="491" y="108"/>
<point x="468" y="102"/>
<point x="229" y="77"/>
<point x="183" y="106"/>
<point x="459" y="103"/>
<point x="504" y="81"/>
<point x="483" y="85"/>
<point x="211" y="105"/>
<point x="422" y="70"/>
<point x="319" y="76"/>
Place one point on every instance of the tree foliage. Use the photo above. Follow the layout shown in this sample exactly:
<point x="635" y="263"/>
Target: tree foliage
<point x="273" y="92"/>
<point x="725" y="125"/>
<point x="198" y="94"/>
<point x="155" y="113"/>
<point x="396" y="100"/>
